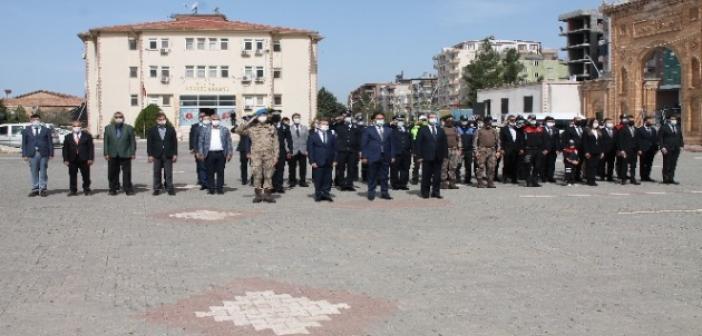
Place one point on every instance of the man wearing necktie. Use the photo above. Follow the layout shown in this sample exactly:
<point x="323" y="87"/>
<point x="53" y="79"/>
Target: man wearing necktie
<point x="606" y="166"/>
<point x="378" y="152"/>
<point x="119" y="148"/>
<point x="37" y="150"/>
<point x="575" y="133"/>
<point x="321" y="147"/>
<point x="647" y="138"/>
<point x="78" y="155"/>
<point x="299" y="153"/>
<point x="162" y="148"/>
<point x="627" y="150"/>
<point x="672" y="143"/>
<point x="431" y="149"/>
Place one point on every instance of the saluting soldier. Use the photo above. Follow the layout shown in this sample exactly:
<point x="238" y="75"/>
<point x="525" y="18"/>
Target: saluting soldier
<point x="265" y="150"/>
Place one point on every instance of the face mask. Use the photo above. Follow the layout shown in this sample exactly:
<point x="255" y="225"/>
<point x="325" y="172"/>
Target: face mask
<point x="380" y="122"/>
<point x="324" y="128"/>
<point x="347" y="120"/>
<point x="400" y="124"/>
<point x="551" y="124"/>
<point x="36" y="123"/>
<point x="432" y="121"/>
<point x="296" y="121"/>
<point x="673" y="122"/>
<point x="206" y="122"/>
<point x="262" y="119"/>
<point x="512" y="123"/>
<point x="532" y="122"/>
<point x="481" y="124"/>
<point x="215" y="123"/>
<point x="360" y="123"/>
<point x="609" y="125"/>
<point x="161" y="123"/>
<point x="76" y="130"/>
<point x="595" y="125"/>
<point x="464" y="123"/>
<point x="625" y="121"/>
<point x="119" y="120"/>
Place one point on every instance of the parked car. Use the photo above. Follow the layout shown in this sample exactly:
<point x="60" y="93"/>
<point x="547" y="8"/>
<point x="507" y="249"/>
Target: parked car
<point x="11" y="134"/>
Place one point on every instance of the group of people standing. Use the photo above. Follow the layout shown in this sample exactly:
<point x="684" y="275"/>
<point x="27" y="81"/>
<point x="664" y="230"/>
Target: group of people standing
<point x="390" y="154"/>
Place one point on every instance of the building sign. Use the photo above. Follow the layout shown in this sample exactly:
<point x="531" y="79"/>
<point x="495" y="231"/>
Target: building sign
<point x="658" y="26"/>
<point x="206" y="87"/>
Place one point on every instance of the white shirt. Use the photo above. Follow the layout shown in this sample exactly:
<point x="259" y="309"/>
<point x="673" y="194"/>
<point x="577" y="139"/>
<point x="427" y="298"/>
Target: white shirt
<point x="322" y="135"/>
<point x="594" y="132"/>
<point x="514" y="134"/>
<point x="216" y="140"/>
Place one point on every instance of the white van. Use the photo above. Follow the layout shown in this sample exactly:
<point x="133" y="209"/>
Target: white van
<point x="11" y="134"/>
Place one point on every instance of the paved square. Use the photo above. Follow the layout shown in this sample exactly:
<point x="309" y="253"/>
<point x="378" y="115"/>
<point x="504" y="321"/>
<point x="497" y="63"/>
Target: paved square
<point x="610" y="260"/>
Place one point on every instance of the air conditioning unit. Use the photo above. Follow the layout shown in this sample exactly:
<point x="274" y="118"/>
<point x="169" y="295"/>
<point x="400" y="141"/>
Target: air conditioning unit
<point x="165" y="51"/>
<point x="246" y="78"/>
<point x="259" y="52"/>
<point x="260" y="79"/>
<point x="165" y="80"/>
<point x="245" y="53"/>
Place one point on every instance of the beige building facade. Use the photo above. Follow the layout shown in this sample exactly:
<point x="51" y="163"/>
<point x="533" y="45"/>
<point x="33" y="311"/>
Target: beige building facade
<point x="199" y="62"/>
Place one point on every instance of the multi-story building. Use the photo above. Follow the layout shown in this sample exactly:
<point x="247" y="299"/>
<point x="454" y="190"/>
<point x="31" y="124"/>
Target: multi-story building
<point x="558" y="99"/>
<point x="408" y="96"/>
<point x="586" y="43"/>
<point x="450" y="63"/>
<point x="199" y="62"/>
<point x="543" y="67"/>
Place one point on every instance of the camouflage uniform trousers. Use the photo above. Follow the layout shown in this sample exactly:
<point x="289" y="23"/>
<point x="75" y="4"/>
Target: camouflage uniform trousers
<point x="486" y="163"/>
<point x="449" y="166"/>
<point x="263" y="167"/>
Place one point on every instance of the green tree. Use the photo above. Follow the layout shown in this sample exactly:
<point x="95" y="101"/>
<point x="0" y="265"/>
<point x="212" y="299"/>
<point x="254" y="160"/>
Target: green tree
<point x="484" y="72"/>
<point x="366" y="106"/>
<point x="327" y="104"/>
<point x="146" y="120"/>
<point x="3" y="112"/>
<point x="511" y="67"/>
<point x="20" y="115"/>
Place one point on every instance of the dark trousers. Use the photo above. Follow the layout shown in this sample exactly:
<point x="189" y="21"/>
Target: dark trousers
<point x="568" y="174"/>
<point x="322" y="177"/>
<point x="532" y="165"/>
<point x="244" y="167"/>
<point x="606" y="167"/>
<point x="279" y="173"/>
<point x="670" y="162"/>
<point x="215" y="162"/>
<point x="646" y="163"/>
<point x="415" y="170"/>
<point x="73" y="168"/>
<point x="346" y="168"/>
<point x="298" y="160"/>
<point x="591" y="166"/>
<point x="115" y="166"/>
<point x="201" y="170"/>
<point x="549" y="166"/>
<point x="378" y="171"/>
<point x="431" y="177"/>
<point x="627" y="170"/>
<point x="163" y="170"/>
<point x="510" y="168"/>
<point x="577" y="172"/>
<point x="399" y="171"/>
<point x="468" y="166"/>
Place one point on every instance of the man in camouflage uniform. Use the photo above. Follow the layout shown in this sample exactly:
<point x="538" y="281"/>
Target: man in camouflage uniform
<point x="486" y="145"/>
<point x="264" y="154"/>
<point x="450" y="164"/>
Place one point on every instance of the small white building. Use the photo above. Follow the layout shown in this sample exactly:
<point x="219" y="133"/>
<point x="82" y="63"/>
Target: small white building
<point x="559" y="99"/>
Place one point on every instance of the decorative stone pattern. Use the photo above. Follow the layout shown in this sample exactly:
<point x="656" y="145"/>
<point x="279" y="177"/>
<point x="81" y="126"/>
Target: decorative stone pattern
<point x="282" y="313"/>
<point x="205" y="215"/>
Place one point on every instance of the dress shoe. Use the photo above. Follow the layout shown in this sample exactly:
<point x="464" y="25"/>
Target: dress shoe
<point x="675" y="182"/>
<point x="405" y="188"/>
<point x="371" y="198"/>
<point x="220" y="192"/>
<point x="203" y="187"/>
<point x="130" y="193"/>
<point x="72" y="193"/>
<point x="317" y="199"/>
<point x="244" y="182"/>
<point x="386" y="197"/>
<point x="592" y="184"/>
<point x="171" y="192"/>
<point x="491" y="186"/>
<point x="43" y="193"/>
<point x="327" y="198"/>
<point x="437" y="196"/>
<point x="113" y="193"/>
<point x="156" y="192"/>
<point x="304" y="185"/>
<point x="211" y="192"/>
<point x="634" y="182"/>
<point x="424" y="196"/>
<point x="87" y="192"/>
<point x="34" y="193"/>
<point x="552" y="180"/>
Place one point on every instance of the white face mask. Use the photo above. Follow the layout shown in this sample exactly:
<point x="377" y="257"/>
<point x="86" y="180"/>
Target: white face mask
<point x="673" y="122"/>
<point x="216" y="123"/>
<point x="206" y="122"/>
<point x="347" y="120"/>
<point x="595" y="125"/>
<point x="609" y="125"/>
<point x="161" y="123"/>
<point x="296" y="121"/>
<point x="36" y="123"/>
<point x="380" y="122"/>
<point x="400" y="124"/>
<point x="76" y="130"/>
<point x="551" y="124"/>
<point x="432" y="121"/>
<point x="481" y="124"/>
<point x="262" y="119"/>
<point x="119" y="120"/>
<point x="324" y="128"/>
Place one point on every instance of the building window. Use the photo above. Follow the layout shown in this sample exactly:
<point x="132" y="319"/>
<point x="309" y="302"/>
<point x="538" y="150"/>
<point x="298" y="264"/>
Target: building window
<point x="133" y="72"/>
<point x="165" y="43"/>
<point x="224" y="71"/>
<point x="259" y="101"/>
<point x="134" y="100"/>
<point x="248" y="102"/>
<point x="201" y="71"/>
<point x="213" y="44"/>
<point x="166" y="101"/>
<point x="132" y="43"/>
<point x="259" y="45"/>
<point x="224" y="44"/>
<point x="201" y="43"/>
<point x="528" y="104"/>
<point x="259" y="72"/>
<point x="189" y="43"/>
<point x="212" y="71"/>
<point x="276" y="46"/>
<point x="248" y="45"/>
<point x="153" y="44"/>
<point x="505" y="106"/>
<point x="165" y="72"/>
<point x="189" y="71"/>
<point x="248" y="72"/>
<point x="278" y="100"/>
<point x="277" y="73"/>
<point x="153" y="71"/>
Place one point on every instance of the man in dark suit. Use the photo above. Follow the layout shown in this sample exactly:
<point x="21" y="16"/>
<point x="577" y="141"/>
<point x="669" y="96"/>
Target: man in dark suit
<point x="509" y="137"/>
<point x="402" y="142"/>
<point x="162" y="148"/>
<point x="244" y="149"/>
<point x="78" y="155"/>
<point x="553" y="146"/>
<point x="119" y="148"/>
<point x="606" y="167"/>
<point x="647" y="137"/>
<point x="431" y="150"/>
<point x="378" y="152"/>
<point x="627" y="149"/>
<point x="37" y="149"/>
<point x="200" y="168"/>
<point x="575" y="132"/>
<point x="672" y="143"/>
<point x="592" y="146"/>
<point x="347" y="148"/>
<point x="285" y="153"/>
<point x="215" y="148"/>
<point x="321" y="150"/>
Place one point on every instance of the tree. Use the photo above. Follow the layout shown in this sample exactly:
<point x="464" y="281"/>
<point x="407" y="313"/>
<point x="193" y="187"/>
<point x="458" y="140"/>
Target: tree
<point x="3" y="112"/>
<point x="146" y="120"/>
<point x="20" y="115"/>
<point x="327" y="104"/>
<point x="366" y="106"/>
<point x="511" y="67"/>
<point x="484" y="72"/>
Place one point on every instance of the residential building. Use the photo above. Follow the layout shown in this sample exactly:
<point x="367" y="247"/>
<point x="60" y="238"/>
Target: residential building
<point x="408" y="96"/>
<point x="544" y="67"/>
<point x="44" y="101"/>
<point x="199" y="62"/>
<point x="586" y="43"/>
<point x="560" y="99"/>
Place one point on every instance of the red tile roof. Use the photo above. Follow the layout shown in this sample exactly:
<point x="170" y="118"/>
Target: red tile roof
<point x="199" y="22"/>
<point x="44" y="98"/>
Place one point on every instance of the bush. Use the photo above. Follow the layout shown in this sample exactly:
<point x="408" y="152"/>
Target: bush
<point x="146" y="120"/>
<point x="20" y="115"/>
